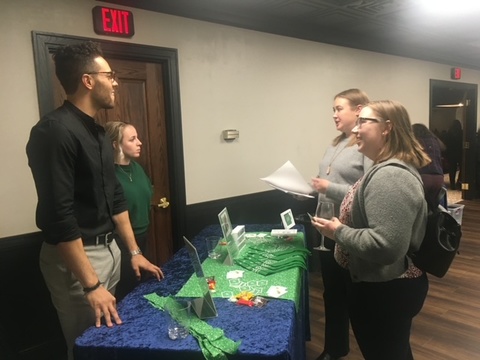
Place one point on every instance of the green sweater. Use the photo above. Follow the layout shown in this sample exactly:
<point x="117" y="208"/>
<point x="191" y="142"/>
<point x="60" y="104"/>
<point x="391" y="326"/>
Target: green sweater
<point x="138" y="191"/>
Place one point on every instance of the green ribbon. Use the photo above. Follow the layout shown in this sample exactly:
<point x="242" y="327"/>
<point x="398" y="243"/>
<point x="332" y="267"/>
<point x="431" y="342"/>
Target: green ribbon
<point x="213" y="342"/>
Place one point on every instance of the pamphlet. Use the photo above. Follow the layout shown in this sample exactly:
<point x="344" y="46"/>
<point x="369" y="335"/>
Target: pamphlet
<point x="288" y="179"/>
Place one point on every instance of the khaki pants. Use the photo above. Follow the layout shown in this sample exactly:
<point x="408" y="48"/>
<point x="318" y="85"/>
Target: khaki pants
<point x="74" y="312"/>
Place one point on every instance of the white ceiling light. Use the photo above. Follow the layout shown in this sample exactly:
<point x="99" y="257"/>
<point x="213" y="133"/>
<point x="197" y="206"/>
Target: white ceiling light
<point x="449" y="7"/>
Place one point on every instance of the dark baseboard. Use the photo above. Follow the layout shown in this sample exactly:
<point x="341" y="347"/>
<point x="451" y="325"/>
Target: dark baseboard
<point x="29" y="327"/>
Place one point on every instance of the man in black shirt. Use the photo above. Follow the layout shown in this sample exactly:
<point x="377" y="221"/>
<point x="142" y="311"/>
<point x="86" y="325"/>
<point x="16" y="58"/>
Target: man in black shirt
<point x="80" y="201"/>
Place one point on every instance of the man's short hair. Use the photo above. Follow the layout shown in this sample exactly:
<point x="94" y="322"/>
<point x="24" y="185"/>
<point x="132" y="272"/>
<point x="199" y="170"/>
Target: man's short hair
<point x="72" y="61"/>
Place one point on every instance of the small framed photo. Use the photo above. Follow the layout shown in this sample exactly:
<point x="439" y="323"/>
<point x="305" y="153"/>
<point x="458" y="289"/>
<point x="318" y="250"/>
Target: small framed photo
<point x="287" y="219"/>
<point x="225" y="223"/>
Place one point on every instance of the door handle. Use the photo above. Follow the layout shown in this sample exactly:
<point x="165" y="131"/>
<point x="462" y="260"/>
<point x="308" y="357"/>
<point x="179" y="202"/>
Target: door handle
<point x="163" y="203"/>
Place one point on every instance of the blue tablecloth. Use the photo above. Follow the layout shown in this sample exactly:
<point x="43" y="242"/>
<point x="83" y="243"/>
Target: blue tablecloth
<point x="275" y="331"/>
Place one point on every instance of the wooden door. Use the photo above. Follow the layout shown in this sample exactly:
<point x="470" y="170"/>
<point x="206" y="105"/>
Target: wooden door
<point x="140" y="101"/>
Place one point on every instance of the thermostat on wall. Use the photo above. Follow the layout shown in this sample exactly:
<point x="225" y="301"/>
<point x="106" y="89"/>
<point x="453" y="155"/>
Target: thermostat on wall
<point x="230" y="135"/>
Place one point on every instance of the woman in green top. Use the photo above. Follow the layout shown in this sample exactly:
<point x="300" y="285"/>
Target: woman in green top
<point x="138" y="191"/>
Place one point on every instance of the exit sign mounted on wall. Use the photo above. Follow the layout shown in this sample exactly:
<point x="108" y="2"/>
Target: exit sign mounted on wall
<point x="456" y="73"/>
<point x="113" y="22"/>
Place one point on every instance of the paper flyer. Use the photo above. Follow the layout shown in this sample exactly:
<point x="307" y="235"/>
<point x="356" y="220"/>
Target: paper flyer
<point x="288" y="179"/>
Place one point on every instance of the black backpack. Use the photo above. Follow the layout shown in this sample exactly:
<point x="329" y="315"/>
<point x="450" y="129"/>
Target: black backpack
<point x="440" y="243"/>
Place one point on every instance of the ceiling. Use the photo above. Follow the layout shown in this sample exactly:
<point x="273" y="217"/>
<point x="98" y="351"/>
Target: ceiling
<point x="395" y="27"/>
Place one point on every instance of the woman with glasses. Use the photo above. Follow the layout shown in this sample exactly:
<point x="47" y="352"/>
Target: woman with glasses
<point x="382" y="219"/>
<point x="138" y="192"/>
<point x="340" y="167"/>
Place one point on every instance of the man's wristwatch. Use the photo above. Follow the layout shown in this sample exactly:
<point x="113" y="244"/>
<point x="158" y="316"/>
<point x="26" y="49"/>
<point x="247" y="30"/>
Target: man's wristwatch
<point x="136" y="252"/>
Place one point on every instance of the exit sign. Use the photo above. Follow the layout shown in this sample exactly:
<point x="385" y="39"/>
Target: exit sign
<point x="456" y="73"/>
<point x="113" y="22"/>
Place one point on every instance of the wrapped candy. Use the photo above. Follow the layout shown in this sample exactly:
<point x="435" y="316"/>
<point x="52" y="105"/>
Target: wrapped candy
<point x="245" y="302"/>
<point x="249" y="299"/>
<point x="245" y="295"/>
<point x="259" y="301"/>
<point x="212" y="284"/>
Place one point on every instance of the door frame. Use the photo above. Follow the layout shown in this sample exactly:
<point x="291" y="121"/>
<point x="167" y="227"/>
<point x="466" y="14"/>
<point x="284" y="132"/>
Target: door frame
<point x="45" y="44"/>
<point x="469" y="165"/>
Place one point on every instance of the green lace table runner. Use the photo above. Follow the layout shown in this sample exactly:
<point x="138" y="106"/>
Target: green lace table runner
<point x="272" y="262"/>
<point x="213" y="342"/>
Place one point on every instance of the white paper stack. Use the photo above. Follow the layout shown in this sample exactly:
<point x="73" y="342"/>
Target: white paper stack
<point x="288" y="179"/>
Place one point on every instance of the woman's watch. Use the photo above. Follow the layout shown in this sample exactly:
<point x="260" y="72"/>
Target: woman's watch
<point x="136" y="252"/>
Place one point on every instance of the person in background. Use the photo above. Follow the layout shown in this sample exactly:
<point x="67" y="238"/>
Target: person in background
<point x="80" y="201"/>
<point x="383" y="217"/>
<point x="432" y="174"/>
<point x="138" y="191"/>
<point x="341" y="166"/>
<point x="454" y="142"/>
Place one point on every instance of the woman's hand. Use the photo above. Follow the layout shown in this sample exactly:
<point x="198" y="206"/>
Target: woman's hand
<point x="320" y="184"/>
<point x="326" y="227"/>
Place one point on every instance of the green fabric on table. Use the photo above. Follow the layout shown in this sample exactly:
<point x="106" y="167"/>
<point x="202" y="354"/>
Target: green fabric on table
<point x="266" y="259"/>
<point x="213" y="342"/>
<point x="255" y="282"/>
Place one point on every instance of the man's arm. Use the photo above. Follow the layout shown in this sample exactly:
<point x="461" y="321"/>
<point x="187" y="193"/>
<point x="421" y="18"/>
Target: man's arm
<point x="139" y="262"/>
<point x="100" y="299"/>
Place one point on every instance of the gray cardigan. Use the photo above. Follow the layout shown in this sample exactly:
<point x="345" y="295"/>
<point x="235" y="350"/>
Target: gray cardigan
<point x="389" y="216"/>
<point x="347" y="166"/>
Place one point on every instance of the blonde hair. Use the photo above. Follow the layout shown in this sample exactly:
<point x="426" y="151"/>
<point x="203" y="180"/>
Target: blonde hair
<point x="355" y="97"/>
<point x="114" y="130"/>
<point x="401" y="142"/>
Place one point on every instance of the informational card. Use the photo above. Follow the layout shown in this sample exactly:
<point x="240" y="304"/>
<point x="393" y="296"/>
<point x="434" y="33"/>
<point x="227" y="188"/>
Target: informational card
<point x="225" y="223"/>
<point x="288" y="220"/>
<point x="235" y="243"/>
<point x="204" y="306"/>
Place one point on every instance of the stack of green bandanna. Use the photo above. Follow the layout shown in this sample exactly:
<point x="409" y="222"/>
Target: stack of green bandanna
<point x="267" y="259"/>
<point x="214" y="344"/>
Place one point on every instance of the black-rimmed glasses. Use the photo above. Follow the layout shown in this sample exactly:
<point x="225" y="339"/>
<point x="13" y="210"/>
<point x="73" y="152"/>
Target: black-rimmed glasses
<point x="363" y="120"/>
<point x="110" y="74"/>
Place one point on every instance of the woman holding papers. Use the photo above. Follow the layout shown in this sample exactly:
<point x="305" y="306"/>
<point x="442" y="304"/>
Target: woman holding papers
<point x="382" y="219"/>
<point x="341" y="166"/>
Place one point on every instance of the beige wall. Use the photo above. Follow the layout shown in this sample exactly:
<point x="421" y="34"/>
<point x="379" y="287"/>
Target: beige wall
<point x="276" y="91"/>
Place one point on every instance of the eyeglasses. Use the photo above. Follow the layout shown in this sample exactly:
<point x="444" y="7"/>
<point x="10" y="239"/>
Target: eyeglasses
<point x="363" y="120"/>
<point x="110" y="74"/>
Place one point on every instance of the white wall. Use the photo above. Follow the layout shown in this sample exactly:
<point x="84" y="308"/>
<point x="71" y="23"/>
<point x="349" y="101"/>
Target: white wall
<point x="276" y="91"/>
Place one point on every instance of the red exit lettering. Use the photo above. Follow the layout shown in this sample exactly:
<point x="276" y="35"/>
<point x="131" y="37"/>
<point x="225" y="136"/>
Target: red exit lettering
<point x="116" y="22"/>
<point x="456" y="73"/>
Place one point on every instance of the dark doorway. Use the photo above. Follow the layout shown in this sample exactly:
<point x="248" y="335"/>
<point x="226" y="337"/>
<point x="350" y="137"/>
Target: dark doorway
<point x="451" y="101"/>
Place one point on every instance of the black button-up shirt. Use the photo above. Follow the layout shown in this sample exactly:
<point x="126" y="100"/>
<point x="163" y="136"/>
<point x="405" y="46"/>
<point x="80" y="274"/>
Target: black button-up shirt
<point x="72" y="164"/>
